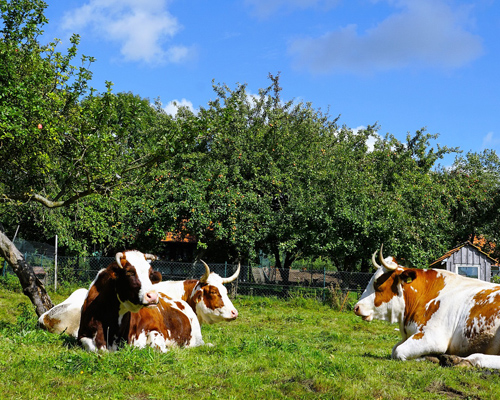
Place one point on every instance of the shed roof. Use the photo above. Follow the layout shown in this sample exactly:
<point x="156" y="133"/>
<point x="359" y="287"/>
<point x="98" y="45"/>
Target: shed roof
<point x="454" y="250"/>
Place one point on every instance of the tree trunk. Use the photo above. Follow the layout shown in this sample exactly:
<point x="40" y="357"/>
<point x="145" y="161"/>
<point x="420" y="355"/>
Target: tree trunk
<point x="32" y="287"/>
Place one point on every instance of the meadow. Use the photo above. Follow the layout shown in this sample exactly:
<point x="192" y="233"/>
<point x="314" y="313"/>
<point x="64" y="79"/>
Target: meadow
<point x="277" y="349"/>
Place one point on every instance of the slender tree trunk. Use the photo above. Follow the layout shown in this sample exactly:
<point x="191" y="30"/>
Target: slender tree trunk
<point x="32" y="287"/>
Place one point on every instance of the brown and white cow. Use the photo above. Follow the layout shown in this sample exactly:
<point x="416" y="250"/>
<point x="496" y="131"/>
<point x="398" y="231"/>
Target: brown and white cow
<point x="123" y="307"/>
<point x="438" y="312"/>
<point x="207" y="296"/>
<point x="171" y="323"/>
<point x="65" y="317"/>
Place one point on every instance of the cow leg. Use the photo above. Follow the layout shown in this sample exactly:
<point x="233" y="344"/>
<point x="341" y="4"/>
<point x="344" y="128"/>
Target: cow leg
<point x="417" y="346"/>
<point x="483" y="360"/>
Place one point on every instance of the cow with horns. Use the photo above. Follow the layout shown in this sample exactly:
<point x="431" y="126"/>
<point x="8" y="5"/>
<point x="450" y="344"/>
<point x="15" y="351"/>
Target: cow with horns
<point x="122" y="306"/>
<point x="207" y="296"/>
<point x="439" y="313"/>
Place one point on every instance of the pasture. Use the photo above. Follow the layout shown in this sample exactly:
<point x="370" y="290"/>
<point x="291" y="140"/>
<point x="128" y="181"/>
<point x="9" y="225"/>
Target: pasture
<point x="276" y="349"/>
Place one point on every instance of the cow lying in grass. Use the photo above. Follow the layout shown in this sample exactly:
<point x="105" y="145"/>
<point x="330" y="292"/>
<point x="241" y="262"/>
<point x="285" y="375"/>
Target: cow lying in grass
<point x="206" y="296"/>
<point x="438" y="312"/>
<point x="123" y="307"/>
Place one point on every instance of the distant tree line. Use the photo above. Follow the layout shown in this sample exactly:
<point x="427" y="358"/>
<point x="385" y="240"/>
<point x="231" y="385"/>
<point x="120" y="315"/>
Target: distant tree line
<point x="246" y="174"/>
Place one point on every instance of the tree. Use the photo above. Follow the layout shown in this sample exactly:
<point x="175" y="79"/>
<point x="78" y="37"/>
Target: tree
<point x="60" y="141"/>
<point x="262" y="176"/>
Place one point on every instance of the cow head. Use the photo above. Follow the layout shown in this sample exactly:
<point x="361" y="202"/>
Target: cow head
<point x="383" y="297"/>
<point x="134" y="280"/>
<point x="211" y="299"/>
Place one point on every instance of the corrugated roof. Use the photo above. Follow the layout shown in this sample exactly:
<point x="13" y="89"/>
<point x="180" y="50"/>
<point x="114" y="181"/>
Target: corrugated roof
<point x="454" y="250"/>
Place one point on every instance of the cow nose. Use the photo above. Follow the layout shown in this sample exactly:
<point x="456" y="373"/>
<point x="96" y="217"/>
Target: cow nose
<point x="234" y="313"/>
<point x="151" y="297"/>
<point x="356" y="309"/>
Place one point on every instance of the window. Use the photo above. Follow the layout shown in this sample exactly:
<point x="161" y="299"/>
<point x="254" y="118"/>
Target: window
<point x="471" y="271"/>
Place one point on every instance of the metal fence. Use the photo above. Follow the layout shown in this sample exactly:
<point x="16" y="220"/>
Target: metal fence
<point x="252" y="280"/>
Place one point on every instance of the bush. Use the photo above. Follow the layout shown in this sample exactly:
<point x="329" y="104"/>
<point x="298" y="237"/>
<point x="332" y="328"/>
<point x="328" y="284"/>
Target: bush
<point x="338" y="300"/>
<point x="10" y="282"/>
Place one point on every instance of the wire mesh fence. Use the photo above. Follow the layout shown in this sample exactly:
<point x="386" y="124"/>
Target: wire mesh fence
<point x="252" y="280"/>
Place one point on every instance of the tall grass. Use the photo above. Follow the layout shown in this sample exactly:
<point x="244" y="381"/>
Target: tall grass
<point x="276" y="349"/>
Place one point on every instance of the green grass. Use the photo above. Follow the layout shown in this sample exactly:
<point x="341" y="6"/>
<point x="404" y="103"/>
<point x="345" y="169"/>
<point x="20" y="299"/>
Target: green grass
<point x="276" y="349"/>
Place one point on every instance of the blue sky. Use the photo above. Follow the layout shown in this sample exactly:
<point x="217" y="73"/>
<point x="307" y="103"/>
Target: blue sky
<point x="404" y="64"/>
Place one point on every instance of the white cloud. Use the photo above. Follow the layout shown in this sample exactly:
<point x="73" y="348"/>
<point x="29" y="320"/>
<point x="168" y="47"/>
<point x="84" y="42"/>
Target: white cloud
<point x="172" y="107"/>
<point x="371" y="140"/>
<point x="424" y="33"/>
<point x="141" y="28"/>
<point x="490" y="141"/>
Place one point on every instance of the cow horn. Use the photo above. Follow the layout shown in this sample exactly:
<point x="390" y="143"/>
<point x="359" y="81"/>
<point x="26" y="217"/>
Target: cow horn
<point x="150" y="257"/>
<point x="232" y="277"/>
<point x="205" y="276"/>
<point x="374" y="261"/>
<point x="119" y="257"/>
<point x="387" y="266"/>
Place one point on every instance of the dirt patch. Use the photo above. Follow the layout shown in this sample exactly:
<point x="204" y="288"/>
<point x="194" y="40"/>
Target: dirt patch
<point x="448" y="392"/>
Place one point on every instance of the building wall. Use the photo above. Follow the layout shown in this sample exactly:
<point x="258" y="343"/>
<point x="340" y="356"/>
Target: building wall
<point x="469" y="256"/>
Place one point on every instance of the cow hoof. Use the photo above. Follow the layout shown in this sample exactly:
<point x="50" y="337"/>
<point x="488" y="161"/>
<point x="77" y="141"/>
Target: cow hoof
<point x="432" y="359"/>
<point x="450" y="360"/>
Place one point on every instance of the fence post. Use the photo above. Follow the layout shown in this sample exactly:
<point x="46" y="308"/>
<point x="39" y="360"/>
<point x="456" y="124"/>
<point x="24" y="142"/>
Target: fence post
<point x="55" y="268"/>
<point x="225" y="268"/>
<point x="324" y="283"/>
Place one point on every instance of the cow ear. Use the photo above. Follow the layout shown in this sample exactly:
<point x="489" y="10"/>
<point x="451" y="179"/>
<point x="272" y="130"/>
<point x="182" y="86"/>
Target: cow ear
<point x="197" y="297"/>
<point x="113" y="271"/>
<point x="155" y="277"/>
<point x="408" y="276"/>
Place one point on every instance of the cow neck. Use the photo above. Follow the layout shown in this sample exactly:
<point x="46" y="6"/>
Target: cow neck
<point x="190" y="288"/>
<point x="103" y="293"/>
<point x="420" y="296"/>
<point x="104" y="308"/>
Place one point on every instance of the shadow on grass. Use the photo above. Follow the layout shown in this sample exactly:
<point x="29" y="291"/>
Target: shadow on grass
<point x="377" y="357"/>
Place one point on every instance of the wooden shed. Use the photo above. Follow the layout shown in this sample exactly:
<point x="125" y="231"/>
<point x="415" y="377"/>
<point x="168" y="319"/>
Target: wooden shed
<point x="467" y="260"/>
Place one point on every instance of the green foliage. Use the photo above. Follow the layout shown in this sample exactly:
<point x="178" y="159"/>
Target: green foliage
<point x="10" y="282"/>
<point x="245" y="175"/>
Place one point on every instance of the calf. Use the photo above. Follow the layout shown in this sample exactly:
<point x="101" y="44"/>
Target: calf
<point x="438" y="312"/>
<point x="207" y="296"/>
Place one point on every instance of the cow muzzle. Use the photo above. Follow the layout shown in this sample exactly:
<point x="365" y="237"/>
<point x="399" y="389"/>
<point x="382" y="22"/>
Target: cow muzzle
<point x="151" y="298"/>
<point x="234" y="315"/>
<point x="359" y="313"/>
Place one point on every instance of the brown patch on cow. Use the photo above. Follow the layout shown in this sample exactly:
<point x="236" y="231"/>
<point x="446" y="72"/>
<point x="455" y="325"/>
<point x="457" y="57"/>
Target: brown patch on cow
<point x="420" y="289"/>
<point x="180" y="305"/>
<point x="172" y="323"/>
<point x="420" y="295"/>
<point x="212" y="297"/>
<point x="189" y="286"/>
<point x="154" y="276"/>
<point x="418" y="336"/>
<point x="385" y="288"/>
<point x="196" y="298"/>
<point x="483" y="316"/>
<point x="49" y="323"/>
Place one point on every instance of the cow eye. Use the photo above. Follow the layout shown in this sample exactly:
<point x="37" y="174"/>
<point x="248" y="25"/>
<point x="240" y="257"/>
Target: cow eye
<point x="130" y="273"/>
<point x="381" y="280"/>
